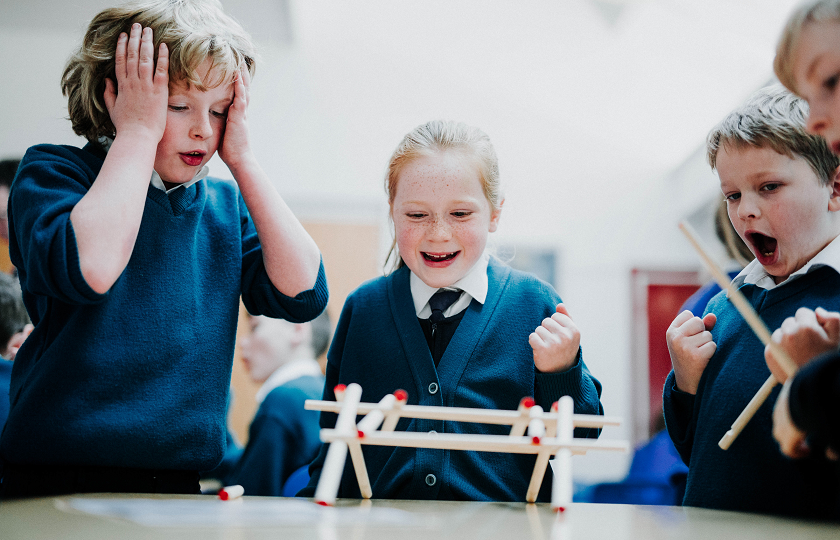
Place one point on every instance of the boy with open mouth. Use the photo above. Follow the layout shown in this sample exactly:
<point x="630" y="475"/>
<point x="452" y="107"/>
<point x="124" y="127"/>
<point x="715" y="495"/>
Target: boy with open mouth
<point x="782" y="190"/>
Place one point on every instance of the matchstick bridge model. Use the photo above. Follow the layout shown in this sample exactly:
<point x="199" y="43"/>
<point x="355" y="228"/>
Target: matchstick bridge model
<point x="548" y="434"/>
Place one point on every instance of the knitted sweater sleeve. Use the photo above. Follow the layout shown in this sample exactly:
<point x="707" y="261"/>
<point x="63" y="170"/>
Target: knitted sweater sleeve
<point x="260" y="296"/>
<point x="678" y="407"/>
<point x="815" y="400"/>
<point x="50" y="181"/>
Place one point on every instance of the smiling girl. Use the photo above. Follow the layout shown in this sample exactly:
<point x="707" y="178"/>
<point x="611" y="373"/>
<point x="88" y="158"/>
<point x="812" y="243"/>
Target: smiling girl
<point x="496" y="335"/>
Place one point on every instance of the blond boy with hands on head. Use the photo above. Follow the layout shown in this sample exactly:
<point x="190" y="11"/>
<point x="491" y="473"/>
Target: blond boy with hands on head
<point x="132" y="260"/>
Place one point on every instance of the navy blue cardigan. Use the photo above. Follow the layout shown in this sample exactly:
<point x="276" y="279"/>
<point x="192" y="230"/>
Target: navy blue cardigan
<point x="138" y="376"/>
<point x="753" y="475"/>
<point x="488" y="365"/>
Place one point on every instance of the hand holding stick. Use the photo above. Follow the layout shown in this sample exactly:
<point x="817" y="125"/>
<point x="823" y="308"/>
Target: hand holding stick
<point x="757" y="325"/>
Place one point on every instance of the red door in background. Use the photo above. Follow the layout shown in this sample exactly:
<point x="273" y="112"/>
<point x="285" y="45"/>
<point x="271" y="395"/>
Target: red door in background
<point x="657" y="298"/>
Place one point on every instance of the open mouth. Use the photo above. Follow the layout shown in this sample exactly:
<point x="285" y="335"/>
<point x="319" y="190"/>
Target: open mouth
<point x="440" y="257"/>
<point x="764" y="246"/>
<point x="192" y="158"/>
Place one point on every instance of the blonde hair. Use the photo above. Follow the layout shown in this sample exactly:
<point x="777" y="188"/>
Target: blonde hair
<point x="436" y="137"/>
<point x="808" y="12"/>
<point x="774" y="118"/>
<point x="193" y="30"/>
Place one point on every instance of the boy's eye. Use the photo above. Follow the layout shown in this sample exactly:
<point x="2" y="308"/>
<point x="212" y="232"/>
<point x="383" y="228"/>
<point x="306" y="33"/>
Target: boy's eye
<point x="217" y="114"/>
<point x="732" y="196"/>
<point x="462" y="213"/>
<point x="770" y="187"/>
<point x="177" y="108"/>
<point x="830" y="83"/>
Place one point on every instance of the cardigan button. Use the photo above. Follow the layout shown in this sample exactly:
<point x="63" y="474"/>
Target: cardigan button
<point x="433" y="388"/>
<point x="430" y="480"/>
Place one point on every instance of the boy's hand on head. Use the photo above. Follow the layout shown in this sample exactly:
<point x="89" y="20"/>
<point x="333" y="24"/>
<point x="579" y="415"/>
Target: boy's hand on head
<point x="803" y="337"/>
<point x="137" y="103"/>
<point x="555" y="342"/>
<point x="234" y="148"/>
<point x="791" y="440"/>
<point x="691" y="347"/>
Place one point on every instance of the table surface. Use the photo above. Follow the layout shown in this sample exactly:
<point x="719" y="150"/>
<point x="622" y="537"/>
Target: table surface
<point x="134" y="517"/>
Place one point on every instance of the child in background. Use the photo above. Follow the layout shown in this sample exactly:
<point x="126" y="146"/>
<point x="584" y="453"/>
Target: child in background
<point x="283" y="436"/>
<point x="452" y="326"/>
<point x="783" y="195"/>
<point x="807" y="412"/>
<point x="132" y="261"/>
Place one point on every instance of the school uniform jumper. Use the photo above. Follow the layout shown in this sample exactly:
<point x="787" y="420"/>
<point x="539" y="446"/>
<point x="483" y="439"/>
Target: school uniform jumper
<point x="753" y="475"/>
<point x="488" y="364"/>
<point x="136" y="377"/>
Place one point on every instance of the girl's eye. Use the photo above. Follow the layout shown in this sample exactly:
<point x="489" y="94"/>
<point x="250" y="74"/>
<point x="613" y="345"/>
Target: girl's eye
<point x="732" y="197"/>
<point x="462" y="213"/>
<point x="415" y="215"/>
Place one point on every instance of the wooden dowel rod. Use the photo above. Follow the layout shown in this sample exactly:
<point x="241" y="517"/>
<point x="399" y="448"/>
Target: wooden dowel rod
<point x="458" y="414"/>
<point x="748" y="412"/>
<point x="481" y="443"/>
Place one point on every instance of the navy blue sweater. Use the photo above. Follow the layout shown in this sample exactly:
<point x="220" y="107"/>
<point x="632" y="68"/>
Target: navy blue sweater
<point x="488" y="365"/>
<point x="283" y="437"/>
<point x="752" y="475"/>
<point x="138" y="376"/>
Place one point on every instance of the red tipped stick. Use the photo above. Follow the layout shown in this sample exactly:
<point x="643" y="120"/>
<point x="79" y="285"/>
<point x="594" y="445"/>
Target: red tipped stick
<point x="527" y="402"/>
<point x="231" y="492"/>
<point x="401" y="395"/>
<point x="535" y="440"/>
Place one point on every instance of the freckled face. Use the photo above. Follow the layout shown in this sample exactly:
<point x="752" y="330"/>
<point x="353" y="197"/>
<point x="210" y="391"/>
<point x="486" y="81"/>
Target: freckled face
<point x="816" y="73"/>
<point x="441" y="217"/>
<point x="195" y="124"/>
<point x="778" y="206"/>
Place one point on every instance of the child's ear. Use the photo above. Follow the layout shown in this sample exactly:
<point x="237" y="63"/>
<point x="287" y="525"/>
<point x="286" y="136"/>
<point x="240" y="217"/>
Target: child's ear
<point x="495" y="215"/>
<point x="834" y="195"/>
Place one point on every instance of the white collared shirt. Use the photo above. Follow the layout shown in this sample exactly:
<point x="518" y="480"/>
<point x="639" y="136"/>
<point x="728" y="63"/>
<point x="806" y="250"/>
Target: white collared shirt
<point x="156" y="181"/>
<point x="289" y="372"/>
<point x="755" y="274"/>
<point x="473" y="285"/>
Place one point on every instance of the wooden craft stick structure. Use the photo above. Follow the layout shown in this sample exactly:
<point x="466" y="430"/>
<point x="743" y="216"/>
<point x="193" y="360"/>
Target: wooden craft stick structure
<point x="549" y="433"/>
<point x="758" y="327"/>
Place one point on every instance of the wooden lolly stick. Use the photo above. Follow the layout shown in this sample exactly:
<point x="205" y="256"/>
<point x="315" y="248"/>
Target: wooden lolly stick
<point x="757" y="326"/>
<point x="470" y="441"/>
<point x="328" y="484"/>
<point x="463" y="414"/>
